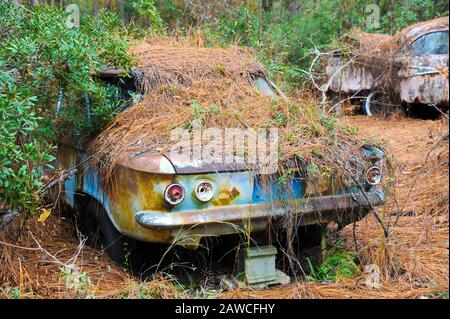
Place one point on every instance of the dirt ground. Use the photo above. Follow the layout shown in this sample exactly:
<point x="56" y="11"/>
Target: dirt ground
<point x="413" y="260"/>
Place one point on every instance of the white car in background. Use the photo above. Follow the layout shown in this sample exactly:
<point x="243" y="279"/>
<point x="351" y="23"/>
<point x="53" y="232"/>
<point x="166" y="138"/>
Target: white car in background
<point x="419" y="59"/>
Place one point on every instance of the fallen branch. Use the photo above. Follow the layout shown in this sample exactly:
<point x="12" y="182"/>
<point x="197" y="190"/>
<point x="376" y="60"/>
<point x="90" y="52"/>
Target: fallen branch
<point x="444" y="115"/>
<point x="60" y="179"/>
<point x="372" y="208"/>
<point x="324" y="88"/>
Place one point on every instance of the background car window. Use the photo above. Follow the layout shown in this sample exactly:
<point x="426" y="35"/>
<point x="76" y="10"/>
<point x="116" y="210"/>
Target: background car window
<point x="262" y="85"/>
<point x="431" y="43"/>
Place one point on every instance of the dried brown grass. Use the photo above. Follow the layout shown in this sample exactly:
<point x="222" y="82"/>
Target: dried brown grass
<point x="414" y="260"/>
<point x="163" y="64"/>
<point x="377" y="54"/>
<point x="189" y="86"/>
<point x="31" y="269"/>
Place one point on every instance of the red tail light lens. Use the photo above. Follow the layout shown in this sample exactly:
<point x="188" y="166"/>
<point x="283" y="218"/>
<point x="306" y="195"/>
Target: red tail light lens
<point x="373" y="175"/>
<point x="174" y="194"/>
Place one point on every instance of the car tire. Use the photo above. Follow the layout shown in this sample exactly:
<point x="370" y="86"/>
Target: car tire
<point x="310" y="236"/>
<point x="370" y="106"/>
<point x="103" y="234"/>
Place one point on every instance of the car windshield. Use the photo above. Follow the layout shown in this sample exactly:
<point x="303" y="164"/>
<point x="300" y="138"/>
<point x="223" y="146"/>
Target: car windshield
<point x="431" y="43"/>
<point x="264" y="86"/>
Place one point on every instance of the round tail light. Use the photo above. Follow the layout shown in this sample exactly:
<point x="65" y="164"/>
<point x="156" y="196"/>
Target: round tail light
<point x="204" y="191"/>
<point x="373" y="175"/>
<point x="174" y="194"/>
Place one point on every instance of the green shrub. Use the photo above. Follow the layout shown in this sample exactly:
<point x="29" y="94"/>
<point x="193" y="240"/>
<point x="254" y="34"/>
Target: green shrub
<point x="41" y="54"/>
<point x="337" y="264"/>
<point x="24" y="150"/>
<point x="285" y="42"/>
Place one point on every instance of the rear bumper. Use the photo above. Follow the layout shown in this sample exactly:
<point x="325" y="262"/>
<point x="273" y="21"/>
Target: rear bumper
<point x="309" y="210"/>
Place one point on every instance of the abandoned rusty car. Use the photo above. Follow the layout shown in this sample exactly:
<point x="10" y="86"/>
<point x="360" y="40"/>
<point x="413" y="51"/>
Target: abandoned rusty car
<point x="410" y="67"/>
<point x="155" y="197"/>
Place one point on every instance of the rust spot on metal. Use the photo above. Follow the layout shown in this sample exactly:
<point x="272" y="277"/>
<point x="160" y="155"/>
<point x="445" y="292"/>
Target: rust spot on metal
<point x="234" y="192"/>
<point x="226" y="196"/>
<point x="133" y="191"/>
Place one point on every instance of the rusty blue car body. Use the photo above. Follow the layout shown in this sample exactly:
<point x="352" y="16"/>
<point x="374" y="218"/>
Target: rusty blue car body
<point x="243" y="201"/>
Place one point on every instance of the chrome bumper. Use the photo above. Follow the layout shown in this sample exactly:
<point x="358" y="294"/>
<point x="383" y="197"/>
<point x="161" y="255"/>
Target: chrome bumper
<point x="305" y="208"/>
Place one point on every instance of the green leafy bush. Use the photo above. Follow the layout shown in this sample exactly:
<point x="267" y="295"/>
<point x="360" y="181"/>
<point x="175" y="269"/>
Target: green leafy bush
<point x="285" y="42"/>
<point x="336" y="265"/>
<point x="148" y="9"/>
<point x="24" y="150"/>
<point x="40" y="55"/>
